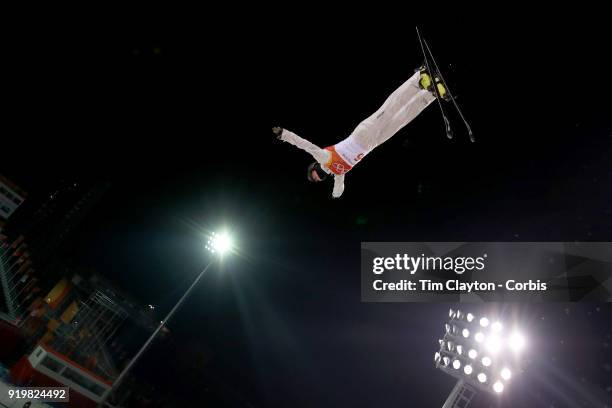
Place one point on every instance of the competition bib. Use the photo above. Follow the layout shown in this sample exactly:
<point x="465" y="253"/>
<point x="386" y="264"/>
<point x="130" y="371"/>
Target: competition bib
<point x="337" y="164"/>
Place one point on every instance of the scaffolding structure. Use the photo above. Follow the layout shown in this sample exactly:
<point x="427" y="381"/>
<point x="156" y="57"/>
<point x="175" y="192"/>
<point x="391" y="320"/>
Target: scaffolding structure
<point x="84" y="338"/>
<point x="461" y="396"/>
<point x="17" y="281"/>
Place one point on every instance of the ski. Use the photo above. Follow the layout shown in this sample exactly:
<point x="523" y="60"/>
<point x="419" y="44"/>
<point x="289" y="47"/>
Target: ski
<point x="449" y="131"/>
<point x="427" y="51"/>
<point x="450" y="94"/>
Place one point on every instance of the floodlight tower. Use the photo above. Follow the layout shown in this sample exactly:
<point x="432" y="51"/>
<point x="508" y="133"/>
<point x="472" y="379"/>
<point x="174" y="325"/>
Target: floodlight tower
<point x="218" y="244"/>
<point x="479" y="353"/>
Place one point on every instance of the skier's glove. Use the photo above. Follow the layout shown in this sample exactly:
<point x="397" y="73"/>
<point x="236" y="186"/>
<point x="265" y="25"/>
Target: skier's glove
<point x="278" y="131"/>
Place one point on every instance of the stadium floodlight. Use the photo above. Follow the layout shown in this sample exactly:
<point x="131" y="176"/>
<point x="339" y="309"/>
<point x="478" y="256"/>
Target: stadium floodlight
<point x="480" y="354"/>
<point x="498" y="387"/>
<point x="493" y="344"/>
<point x="219" y="243"/>
<point x="516" y="342"/>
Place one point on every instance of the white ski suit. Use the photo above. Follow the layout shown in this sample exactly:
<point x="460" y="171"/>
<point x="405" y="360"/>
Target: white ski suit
<point x="403" y="105"/>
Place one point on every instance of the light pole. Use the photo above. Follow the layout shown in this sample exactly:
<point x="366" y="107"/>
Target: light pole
<point x="217" y="244"/>
<point x="480" y="353"/>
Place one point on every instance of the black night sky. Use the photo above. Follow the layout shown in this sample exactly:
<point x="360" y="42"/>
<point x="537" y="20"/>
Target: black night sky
<point x="177" y="116"/>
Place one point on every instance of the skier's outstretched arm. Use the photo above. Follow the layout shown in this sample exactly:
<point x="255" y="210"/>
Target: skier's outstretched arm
<point x="320" y="155"/>
<point x="338" y="186"/>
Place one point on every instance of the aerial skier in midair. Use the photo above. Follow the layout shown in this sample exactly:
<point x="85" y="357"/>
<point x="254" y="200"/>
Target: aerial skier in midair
<point x="401" y="107"/>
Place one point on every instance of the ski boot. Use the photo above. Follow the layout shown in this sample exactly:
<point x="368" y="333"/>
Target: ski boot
<point x="425" y="79"/>
<point x="441" y="89"/>
<point x="426" y="82"/>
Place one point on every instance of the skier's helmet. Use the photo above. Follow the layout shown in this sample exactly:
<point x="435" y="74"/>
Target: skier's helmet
<point x="316" y="167"/>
